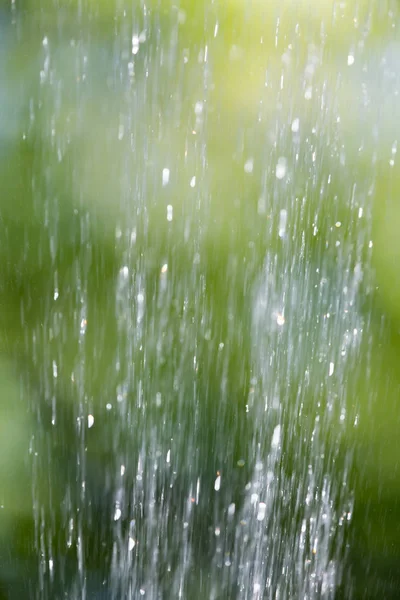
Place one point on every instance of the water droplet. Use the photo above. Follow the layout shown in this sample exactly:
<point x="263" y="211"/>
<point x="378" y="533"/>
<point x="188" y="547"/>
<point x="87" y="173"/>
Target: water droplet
<point x="165" y="176"/>
<point x="308" y="93"/>
<point x="276" y="437"/>
<point x="282" y="222"/>
<point x="135" y="44"/>
<point x="280" y="319"/>
<point x="254" y="499"/>
<point x="262" y="508"/>
<point x="248" y="166"/>
<point x="281" y="168"/>
<point x="231" y="509"/>
<point x="131" y="544"/>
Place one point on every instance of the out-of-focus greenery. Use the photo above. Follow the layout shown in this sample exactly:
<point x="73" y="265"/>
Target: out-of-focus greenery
<point x="99" y="98"/>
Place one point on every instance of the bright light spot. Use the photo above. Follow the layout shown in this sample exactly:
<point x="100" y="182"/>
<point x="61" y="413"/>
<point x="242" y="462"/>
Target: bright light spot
<point x="281" y="167"/>
<point x="170" y="211"/>
<point x="90" y="421"/>
<point x="108" y="406"/>
<point x="122" y="470"/>
<point x="282" y="222"/>
<point x="131" y="544"/>
<point x="165" y="176"/>
<point x="158" y="399"/>
<point x="193" y="181"/>
<point x="168" y="459"/>
<point x="360" y="212"/>
<point x="198" y="109"/>
<point x="338" y="224"/>
<point x="331" y="368"/>
<point x="280" y="319"/>
<point x="117" y="514"/>
<point x="262" y="508"/>
<point x="231" y="509"/>
<point x="248" y="166"/>
<point x="308" y="93"/>
<point x="217" y="484"/>
<point x="83" y="326"/>
<point x="164" y="268"/>
<point x="350" y="60"/>
<point x="135" y="44"/>
<point x="276" y="437"/>
<point x="197" y="490"/>
<point x="295" y="125"/>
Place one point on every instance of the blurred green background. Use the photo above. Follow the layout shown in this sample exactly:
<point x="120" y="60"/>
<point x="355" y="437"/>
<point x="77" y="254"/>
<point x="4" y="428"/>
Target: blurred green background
<point x="112" y="115"/>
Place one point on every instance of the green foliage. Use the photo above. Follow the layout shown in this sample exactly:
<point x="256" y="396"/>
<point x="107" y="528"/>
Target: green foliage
<point x="90" y="118"/>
